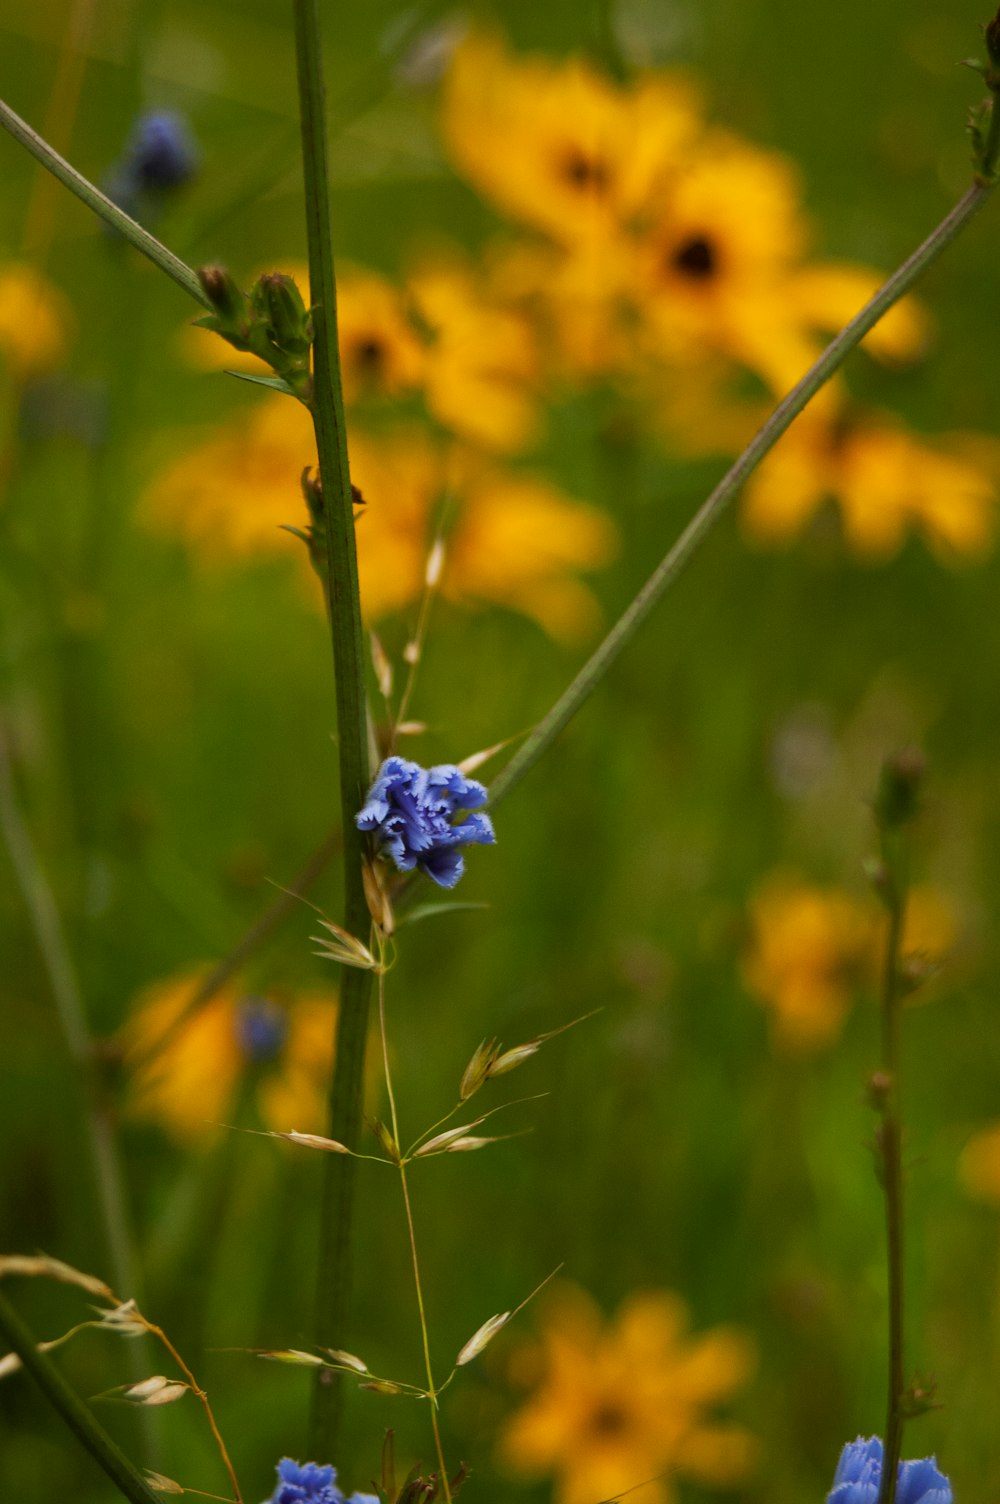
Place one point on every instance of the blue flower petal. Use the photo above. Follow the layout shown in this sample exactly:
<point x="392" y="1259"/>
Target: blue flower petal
<point x="420" y="816"/>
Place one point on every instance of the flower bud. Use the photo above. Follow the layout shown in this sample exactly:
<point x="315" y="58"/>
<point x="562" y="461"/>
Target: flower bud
<point x="226" y="298"/>
<point x="899" y="787"/>
<point x="277" y="301"/>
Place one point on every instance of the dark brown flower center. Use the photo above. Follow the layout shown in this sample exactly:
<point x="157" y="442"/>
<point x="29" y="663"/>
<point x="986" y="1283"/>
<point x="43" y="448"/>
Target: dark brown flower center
<point x="695" y="258"/>
<point x="369" y="356"/>
<point x="608" y="1420"/>
<point x="585" y="173"/>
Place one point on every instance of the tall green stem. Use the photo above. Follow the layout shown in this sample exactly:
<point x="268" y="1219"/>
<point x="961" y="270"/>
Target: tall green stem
<point x="833" y="357"/>
<point x="348" y="651"/>
<point x="890" y="1147"/>
<point x="128" y="1480"/>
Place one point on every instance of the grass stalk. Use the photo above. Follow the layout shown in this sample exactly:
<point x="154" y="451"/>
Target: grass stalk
<point x="411" y="1229"/>
<point x="343" y="599"/>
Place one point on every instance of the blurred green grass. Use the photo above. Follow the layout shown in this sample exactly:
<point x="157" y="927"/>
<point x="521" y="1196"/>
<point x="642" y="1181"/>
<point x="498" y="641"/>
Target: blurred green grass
<point x="178" y="732"/>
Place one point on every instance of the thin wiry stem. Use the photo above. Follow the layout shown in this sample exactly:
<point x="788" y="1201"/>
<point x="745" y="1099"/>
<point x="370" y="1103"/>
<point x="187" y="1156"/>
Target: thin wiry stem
<point x="582" y="687"/>
<point x="432" y="1393"/>
<point x="202" y="1398"/>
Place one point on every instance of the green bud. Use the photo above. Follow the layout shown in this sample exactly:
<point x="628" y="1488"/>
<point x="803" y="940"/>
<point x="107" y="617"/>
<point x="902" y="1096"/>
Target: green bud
<point x="278" y="303"/>
<point x="899" y="787"/>
<point x="226" y="298"/>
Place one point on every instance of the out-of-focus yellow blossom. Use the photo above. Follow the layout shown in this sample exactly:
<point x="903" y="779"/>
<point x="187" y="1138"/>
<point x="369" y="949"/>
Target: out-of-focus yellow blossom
<point x="884" y="481"/>
<point x="577" y="299"/>
<point x="513" y="540"/>
<point x="828" y="295"/>
<point x="808" y="950"/>
<point x="811" y="949"/>
<point x="556" y="144"/>
<point x="979" y="1165"/>
<point x="624" y="1401"/>
<point x="482" y="362"/>
<point x="231" y="494"/>
<point x="35" y="321"/>
<point x="519" y="542"/>
<point x="713" y="266"/>
<point x="190" y="1084"/>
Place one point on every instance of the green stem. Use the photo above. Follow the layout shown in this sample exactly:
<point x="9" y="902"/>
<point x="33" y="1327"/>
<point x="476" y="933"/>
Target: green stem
<point x="833" y="357"/>
<point x="890" y="1144"/>
<point x="348" y="651"/>
<point x="102" y="205"/>
<point x="45" y="921"/>
<point x="72" y="1409"/>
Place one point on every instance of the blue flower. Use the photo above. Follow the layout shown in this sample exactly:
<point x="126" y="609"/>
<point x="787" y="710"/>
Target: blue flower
<point x="412" y="813"/>
<point x="261" y="1028"/>
<point x="308" y="1483"/>
<point x="305" y="1484"/>
<point x="160" y="152"/>
<point x="859" y="1473"/>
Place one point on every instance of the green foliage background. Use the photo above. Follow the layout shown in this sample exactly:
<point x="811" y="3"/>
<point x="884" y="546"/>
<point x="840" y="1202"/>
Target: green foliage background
<point x="175" y="738"/>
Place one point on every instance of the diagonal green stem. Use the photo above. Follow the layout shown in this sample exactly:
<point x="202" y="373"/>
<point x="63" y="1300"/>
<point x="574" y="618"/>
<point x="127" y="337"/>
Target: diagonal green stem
<point x="348" y="652"/>
<point x="101" y="204"/>
<point x="833" y="357"/>
<point x="73" y="1410"/>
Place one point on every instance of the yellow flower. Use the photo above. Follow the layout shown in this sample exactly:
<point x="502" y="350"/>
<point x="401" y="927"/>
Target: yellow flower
<point x="482" y="362"/>
<point x="809" y="948"/>
<point x="190" y="1083"/>
<point x="556" y="144"/>
<point x="35" y="321"/>
<point x="713" y="266"/>
<point x="622" y="1402"/>
<point x="884" y="481"/>
<point x="828" y="295"/>
<point x="231" y="494"/>
<point x="979" y="1165"/>
<point x="518" y="542"/>
<point x="515" y="540"/>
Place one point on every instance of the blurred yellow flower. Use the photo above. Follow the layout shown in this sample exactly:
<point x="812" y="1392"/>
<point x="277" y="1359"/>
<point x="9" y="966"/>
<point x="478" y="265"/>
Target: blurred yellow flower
<point x="35" y="321"/>
<point x="482" y="362"/>
<point x="884" y="480"/>
<point x="281" y="1050"/>
<point x="712" y="267"/>
<point x="621" y="1402"/>
<point x="558" y="145"/>
<point x="811" y="949"/>
<point x="514" y="539"/>
<point x="979" y="1165"/>
<point x="808" y="951"/>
